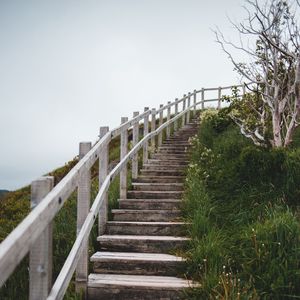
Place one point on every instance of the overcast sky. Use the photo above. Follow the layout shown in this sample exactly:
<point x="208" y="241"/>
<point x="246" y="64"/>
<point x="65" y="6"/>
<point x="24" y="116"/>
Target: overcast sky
<point x="69" y="67"/>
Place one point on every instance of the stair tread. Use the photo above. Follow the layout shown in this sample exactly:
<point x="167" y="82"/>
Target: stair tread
<point x="149" y="282"/>
<point x="135" y="256"/>
<point x="142" y="237"/>
<point x="122" y="210"/>
<point x="144" y="223"/>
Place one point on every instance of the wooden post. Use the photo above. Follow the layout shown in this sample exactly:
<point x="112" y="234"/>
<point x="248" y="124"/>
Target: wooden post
<point x="153" y="120"/>
<point x="146" y="131"/>
<point x="135" y="139"/>
<point x="83" y="207"/>
<point x="123" y="152"/>
<point x="168" y="118"/>
<point x="161" y="116"/>
<point x="40" y="256"/>
<point x="195" y="101"/>
<point x="183" y="108"/>
<point x="188" y="115"/>
<point x="219" y="97"/>
<point x="244" y="89"/>
<point x="202" y="98"/>
<point x="103" y="171"/>
<point x="176" y="112"/>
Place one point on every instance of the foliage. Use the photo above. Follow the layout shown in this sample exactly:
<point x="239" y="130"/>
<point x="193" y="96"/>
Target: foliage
<point x="245" y="237"/>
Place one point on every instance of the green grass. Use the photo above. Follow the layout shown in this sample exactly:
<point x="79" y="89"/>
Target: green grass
<point x="242" y="202"/>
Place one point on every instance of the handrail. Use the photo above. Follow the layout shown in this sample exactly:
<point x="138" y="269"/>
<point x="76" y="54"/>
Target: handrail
<point x="19" y="242"/>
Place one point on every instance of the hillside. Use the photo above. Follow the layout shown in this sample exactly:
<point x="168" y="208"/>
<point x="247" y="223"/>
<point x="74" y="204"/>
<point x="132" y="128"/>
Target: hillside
<point x="2" y="193"/>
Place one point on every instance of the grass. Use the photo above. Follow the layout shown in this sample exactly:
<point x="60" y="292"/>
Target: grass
<point x="242" y="202"/>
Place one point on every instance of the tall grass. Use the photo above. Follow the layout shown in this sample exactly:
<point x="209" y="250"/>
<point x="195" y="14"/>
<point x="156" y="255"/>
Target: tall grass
<point x="242" y="203"/>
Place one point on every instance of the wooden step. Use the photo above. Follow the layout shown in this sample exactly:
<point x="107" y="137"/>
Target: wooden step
<point x="137" y="263"/>
<point x="146" y="228"/>
<point x="136" y="287"/>
<point x="157" y="179"/>
<point x="150" y="204"/>
<point x="162" y="167"/>
<point x="145" y="215"/>
<point x="154" y="194"/>
<point x="141" y="243"/>
<point x="166" y="172"/>
<point x="142" y="186"/>
<point x="167" y="162"/>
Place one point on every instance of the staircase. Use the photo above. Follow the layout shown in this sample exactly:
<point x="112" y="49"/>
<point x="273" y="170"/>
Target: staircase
<point x="137" y="254"/>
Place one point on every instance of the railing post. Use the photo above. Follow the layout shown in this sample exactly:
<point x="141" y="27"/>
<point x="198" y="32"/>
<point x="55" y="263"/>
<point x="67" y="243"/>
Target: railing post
<point x="103" y="171"/>
<point x="188" y="115"/>
<point x="83" y="207"/>
<point x="244" y="89"/>
<point x="183" y="109"/>
<point x="176" y="112"/>
<point x="202" y="98"/>
<point x="168" y="118"/>
<point x="195" y="101"/>
<point x="146" y="131"/>
<point x="161" y="116"/>
<point x="123" y="152"/>
<point x="153" y="120"/>
<point x="40" y="257"/>
<point x="219" y="97"/>
<point x="135" y="140"/>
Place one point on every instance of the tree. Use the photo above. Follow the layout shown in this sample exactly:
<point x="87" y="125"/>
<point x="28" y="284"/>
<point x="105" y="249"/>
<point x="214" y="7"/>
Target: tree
<point x="272" y="73"/>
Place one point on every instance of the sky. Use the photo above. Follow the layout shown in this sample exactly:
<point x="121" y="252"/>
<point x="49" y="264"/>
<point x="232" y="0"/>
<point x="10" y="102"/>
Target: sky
<point x="69" y="67"/>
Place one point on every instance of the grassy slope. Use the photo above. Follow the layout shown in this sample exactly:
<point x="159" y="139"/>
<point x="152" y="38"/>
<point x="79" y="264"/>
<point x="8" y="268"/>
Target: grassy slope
<point x="242" y="202"/>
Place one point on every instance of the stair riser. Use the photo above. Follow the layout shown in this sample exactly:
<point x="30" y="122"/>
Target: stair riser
<point x="168" y="187"/>
<point x="167" y="163"/>
<point x="161" y="168"/>
<point x="135" y="204"/>
<point x="154" y="195"/>
<point x="164" y="216"/>
<point x="142" y="246"/>
<point x="160" y="179"/>
<point x="173" y="230"/>
<point x="133" y="294"/>
<point x="162" y="173"/>
<point x="128" y="267"/>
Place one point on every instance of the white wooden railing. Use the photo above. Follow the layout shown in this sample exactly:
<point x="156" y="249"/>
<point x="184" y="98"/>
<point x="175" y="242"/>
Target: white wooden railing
<point x="34" y="233"/>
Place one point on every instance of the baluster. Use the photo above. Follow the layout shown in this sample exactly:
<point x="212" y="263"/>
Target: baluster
<point x="40" y="256"/>
<point x="161" y="116"/>
<point x="219" y="97"/>
<point x="168" y="118"/>
<point x="153" y="120"/>
<point x="146" y="131"/>
<point x="103" y="171"/>
<point x="123" y="152"/>
<point x="176" y="112"/>
<point x="83" y="207"/>
<point x="183" y="109"/>
<point x="202" y="98"/>
<point x="189" y="112"/>
<point x="195" y="101"/>
<point x="135" y="139"/>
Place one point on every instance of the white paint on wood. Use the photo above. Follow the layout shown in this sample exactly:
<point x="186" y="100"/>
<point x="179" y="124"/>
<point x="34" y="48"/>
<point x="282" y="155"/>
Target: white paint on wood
<point x="194" y="101"/>
<point x="168" y="118"/>
<point x="83" y="206"/>
<point x="146" y="130"/>
<point x="188" y="114"/>
<point x="159" y="124"/>
<point x="202" y="98"/>
<point x="123" y="152"/>
<point x="103" y="171"/>
<point x="153" y="120"/>
<point x="40" y="257"/>
<point x="183" y="109"/>
<point x="135" y="139"/>
<point x="176" y="112"/>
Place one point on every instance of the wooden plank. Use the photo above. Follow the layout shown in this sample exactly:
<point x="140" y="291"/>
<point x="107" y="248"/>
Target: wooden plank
<point x="135" y="139"/>
<point x="123" y="152"/>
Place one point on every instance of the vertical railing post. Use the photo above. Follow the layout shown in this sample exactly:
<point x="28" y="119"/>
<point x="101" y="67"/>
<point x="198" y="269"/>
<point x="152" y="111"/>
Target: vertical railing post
<point x="195" y="101"/>
<point x="135" y="139"/>
<point x="175" y="114"/>
<point x="123" y="152"/>
<point x="83" y="207"/>
<point x="188" y="115"/>
<point x="219" y="97"/>
<point x="202" y="98"/>
<point x="183" y="108"/>
<point x="153" y="120"/>
<point x="161" y="116"/>
<point x="40" y="257"/>
<point x="146" y="131"/>
<point x="103" y="171"/>
<point x="168" y="118"/>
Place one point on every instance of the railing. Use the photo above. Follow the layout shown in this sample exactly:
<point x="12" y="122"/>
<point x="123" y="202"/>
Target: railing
<point x="34" y="233"/>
